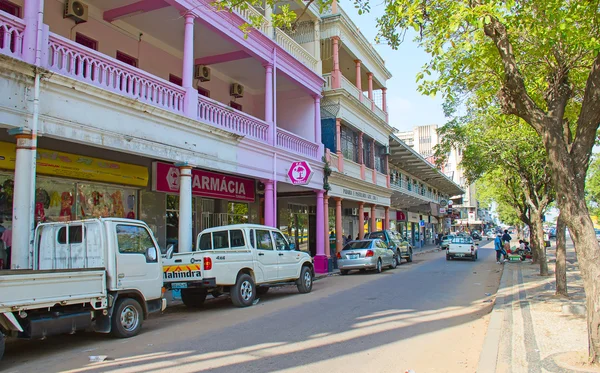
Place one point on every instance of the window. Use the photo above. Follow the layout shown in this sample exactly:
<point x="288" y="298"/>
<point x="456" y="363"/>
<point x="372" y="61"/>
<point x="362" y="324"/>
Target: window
<point x="75" y="234"/>
<point x="133" y="239"/>
<point x="10" y="8"/>
<point x="237" y="213"/>
<point x="237" y="238"/>
<point x="125" y="58"/>
<point x="281" y="243"/>
<point x="355" y="245"/>
<point x="380" y="158"/>
<point x="235" y="105"/>
<point x="203" y="92"/>
<point x="205" y="242"/>
<point x="221" y="240"/>
<point x="349" y="144"/>
<point x="86" y="41"/>
<point x="263" y="239"/>
<point x="175" y="80"/>
<point x="367" y="152"/>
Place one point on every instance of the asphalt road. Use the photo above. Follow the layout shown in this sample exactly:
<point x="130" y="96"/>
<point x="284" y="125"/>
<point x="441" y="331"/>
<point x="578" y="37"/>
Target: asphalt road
<point x="430" y="316"/>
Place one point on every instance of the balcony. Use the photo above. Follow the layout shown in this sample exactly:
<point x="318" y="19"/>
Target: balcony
<point x="354" y="92"/>
<point x="11" y="33"/>
<point x="294" y="143"/>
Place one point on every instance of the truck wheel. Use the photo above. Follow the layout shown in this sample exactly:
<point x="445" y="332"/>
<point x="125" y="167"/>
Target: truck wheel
<point x="244" y="291"/>
<point x="260" y="290"/>
<point x="343" y="272"/>
<point x="409" y="260"/>
<point x="193" y="298"/>
<point x="127" y="318"/>
<point x="1" y="345"/>
<point x="447" y="257"/>
<point x="398" y="257"/>
<point x="305" y="282"/>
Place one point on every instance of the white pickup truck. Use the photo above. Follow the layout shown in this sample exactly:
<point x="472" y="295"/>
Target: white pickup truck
<point x="462" y="246"/>
<point x="243" y="259"/>
<point x="103" y="275"/>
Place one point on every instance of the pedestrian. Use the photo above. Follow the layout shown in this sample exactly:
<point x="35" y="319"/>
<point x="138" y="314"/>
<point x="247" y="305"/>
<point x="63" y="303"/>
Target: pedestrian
<point x="349" y="237"/>
<point x="506" y="240"/>
<point x="357" y="237"/>
<point x="498" y="247"/>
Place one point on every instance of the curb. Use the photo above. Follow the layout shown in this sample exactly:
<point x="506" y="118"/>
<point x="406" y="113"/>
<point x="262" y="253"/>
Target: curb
<point x="491" y="344"/>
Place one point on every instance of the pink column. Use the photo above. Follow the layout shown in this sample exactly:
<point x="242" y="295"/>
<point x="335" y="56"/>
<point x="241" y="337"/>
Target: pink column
<point x="361" y="155"/>
<point x="326" y="224"/>
<point x="269" y="101"/>
<point x="339" y="240"/>
<point x="334" y="8"/>
<point x="373" y="160"/>
<point x="321" y="261"/>
<point x="373" y="219"/>
<point x="361" y="220"/>
<point x="338" y="144"/>
<point x="269" y="204"/>
<point x="33" y="15"/>
<point x="386" y="220"/>
<point x="370" y="76"/>
<point x="384" y="102"/>
<point x="358" y="80"/>
<point x="387" y="170"/>
<point x="190" y="103"/>
<point x="336" y="81"/>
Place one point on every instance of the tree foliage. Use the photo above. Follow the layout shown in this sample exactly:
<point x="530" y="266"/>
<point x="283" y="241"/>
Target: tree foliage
<point x="592" y="187"/>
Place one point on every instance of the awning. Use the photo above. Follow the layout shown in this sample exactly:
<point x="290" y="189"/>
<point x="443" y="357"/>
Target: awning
<point x="407" y="159"/>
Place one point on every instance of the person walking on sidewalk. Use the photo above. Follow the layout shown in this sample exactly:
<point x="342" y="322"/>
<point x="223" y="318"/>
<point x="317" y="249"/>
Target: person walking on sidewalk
<point x="498" y="247"/>
<point x="506" y="240"/>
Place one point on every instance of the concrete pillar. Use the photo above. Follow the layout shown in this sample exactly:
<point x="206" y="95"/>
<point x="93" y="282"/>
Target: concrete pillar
<point x="317" y="46"/>
<point x="326" y="224"/>
<point x="373" y="219"/>
<point x="387" y="170"/>
<point x="318" y="139"/>
<point x="190" y="103"/>
<point x="384" y="102"/>
<point x="269" y="204"/>
<point x="33" y="15"/>
<point x="338" y="144"/>
<point x="339" y="238"/>
<point x="269" y="102"/>
<point x="269" y="18"/>
<point x="373" y="161"/>
<point x="321" y="261"/>
<point x="185" y="241"/>
<point x="334" y="8"/>
<point x="361" y="220"/>
<point x="361" y="155"/>
<point x="336" y="75"/>
<point x="358" y="80"/>
<point x="386" y="220"/>
<point x="23" y="202"/>
<point x="370" y="77"/>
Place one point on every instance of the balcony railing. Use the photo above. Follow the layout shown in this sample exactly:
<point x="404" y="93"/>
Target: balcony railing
<point x="295" y="49"/>
<point x="297" y="144"/>
<point x="350" y="87"/>
<point x="11" y="35"/>
<point x="71" y="59"/>
<point x="220" y="115"/>
<point x="381" y="179"/>
<point x="251" y="13"/>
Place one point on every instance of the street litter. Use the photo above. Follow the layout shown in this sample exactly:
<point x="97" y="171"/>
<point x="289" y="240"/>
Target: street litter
<point x="97" y="358"/>
<point x="488" y="294"/>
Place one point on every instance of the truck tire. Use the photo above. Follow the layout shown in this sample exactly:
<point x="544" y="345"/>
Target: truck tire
<point x="398" y="257"/>
<point x="193" y="298"/>
<point x="409" y="259"/>
<point x="244" y="291"/>
<point x="261" y="290"/>
<point x="127" y="318"/>
<point x="1" y="345"/>
<point x="305" y="282"/>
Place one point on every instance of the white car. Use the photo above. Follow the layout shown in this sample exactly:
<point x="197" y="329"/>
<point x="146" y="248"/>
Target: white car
<point x="243" y="259"/>
<point x="462" y="247"/>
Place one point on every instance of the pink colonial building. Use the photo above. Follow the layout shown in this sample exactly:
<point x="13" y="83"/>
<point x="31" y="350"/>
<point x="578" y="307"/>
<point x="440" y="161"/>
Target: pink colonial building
<point x="160" y="110"/>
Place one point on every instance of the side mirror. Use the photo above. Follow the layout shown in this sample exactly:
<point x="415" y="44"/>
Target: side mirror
<point x="292" y="246"/>
<point x="151" y="254"/>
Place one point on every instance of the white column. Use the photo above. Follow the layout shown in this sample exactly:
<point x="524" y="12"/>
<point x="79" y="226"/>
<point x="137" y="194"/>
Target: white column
<point x="185" y="241"/>
<point x="190" y="104"/>
<point x="317" y="49"/>
<point x="269" y="17"/>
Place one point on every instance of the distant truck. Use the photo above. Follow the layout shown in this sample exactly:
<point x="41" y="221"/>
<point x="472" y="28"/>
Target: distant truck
<point x="103" y="275"/>
<point x="243" y="260"/>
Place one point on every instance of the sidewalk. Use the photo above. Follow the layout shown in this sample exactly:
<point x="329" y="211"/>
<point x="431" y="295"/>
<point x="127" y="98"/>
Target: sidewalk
<point x="532" y="331"/>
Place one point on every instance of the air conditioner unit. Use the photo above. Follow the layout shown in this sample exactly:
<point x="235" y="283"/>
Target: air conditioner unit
<point x="236" y="90"/>
<point x="202" y="72"/>
<point x="76" y="10"/>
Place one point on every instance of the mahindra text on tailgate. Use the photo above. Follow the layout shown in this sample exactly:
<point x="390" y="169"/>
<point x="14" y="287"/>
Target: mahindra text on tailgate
<point x="182" y="272"/>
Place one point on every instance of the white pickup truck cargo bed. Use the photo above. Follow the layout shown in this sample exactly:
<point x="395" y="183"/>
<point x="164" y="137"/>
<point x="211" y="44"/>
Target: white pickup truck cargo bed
<point x="28" y="289"/>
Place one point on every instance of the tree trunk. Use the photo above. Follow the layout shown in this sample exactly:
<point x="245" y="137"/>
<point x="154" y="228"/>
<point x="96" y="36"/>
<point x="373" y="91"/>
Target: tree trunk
<point x="561" y="258"/>
<point x="538" y="227"/>
<point x="533" y="243"/>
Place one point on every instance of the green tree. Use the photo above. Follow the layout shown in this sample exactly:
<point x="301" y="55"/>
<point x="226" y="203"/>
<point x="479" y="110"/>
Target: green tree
<point x="515" y="162"/>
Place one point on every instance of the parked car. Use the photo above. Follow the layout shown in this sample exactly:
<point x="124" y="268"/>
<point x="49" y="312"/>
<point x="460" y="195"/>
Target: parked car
<point x="396" y="242"/>
<point x="446" y="241"/>
<point x="462" y="247"/>
<point x="242" y="259"/>
<point x="366" y="254"/>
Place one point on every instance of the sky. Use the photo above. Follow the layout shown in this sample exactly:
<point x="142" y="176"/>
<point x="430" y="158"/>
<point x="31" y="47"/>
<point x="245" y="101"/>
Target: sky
<point x="408" y="108"/>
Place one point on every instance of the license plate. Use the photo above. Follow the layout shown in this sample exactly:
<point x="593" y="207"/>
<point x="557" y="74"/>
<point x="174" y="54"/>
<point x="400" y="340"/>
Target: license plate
<point x="179" y="285"/>
<point x="355" y="256"/>
<point x="460" y="254"/>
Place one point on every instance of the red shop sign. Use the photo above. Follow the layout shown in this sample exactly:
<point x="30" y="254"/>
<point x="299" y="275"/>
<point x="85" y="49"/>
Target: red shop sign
<point x="165" y="178"/>
<point x="400" y="215"/>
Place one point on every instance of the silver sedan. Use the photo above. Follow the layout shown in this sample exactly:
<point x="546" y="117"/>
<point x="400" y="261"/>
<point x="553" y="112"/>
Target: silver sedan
<point x="365" y="254"/>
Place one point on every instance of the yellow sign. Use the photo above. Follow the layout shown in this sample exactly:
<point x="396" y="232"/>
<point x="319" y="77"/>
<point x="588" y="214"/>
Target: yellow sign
<point x="55" y="163"/>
